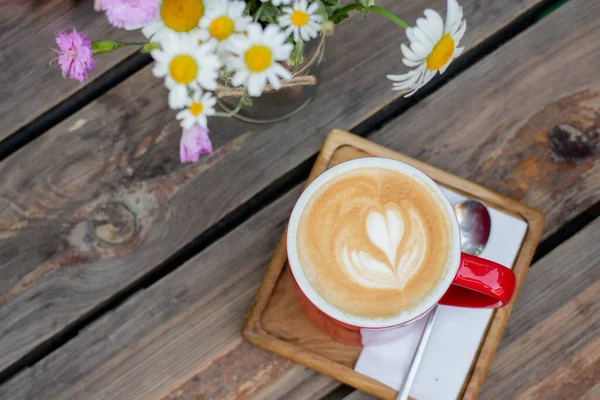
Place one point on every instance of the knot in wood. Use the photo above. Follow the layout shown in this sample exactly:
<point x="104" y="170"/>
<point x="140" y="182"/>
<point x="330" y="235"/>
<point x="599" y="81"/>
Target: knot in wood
<point x="112" y="223"/>
<point x="568" y="141"/>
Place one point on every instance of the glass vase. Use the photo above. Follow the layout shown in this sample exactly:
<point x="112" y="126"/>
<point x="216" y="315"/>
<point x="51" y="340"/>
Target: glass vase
<point x="276" y="105"/>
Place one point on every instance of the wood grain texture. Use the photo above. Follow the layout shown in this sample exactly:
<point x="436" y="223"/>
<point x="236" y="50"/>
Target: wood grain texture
<point x="283" y="319"/>
<point x="28" y="85"/>
<point x="106" y="200"/>
<point x="524" y="121"/>
<point x="552" y="352"/>
<point x="186" y="325"/>
<point x="592" y="394"/>
<point x="550" y="349"/>
<point x="276" y="323"/>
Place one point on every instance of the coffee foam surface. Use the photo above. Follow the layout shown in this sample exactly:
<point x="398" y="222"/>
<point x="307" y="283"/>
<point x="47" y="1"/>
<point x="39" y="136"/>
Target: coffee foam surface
<point x="373" y="242"/>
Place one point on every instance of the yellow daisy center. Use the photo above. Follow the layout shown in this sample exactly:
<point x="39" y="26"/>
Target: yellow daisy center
<point x="258" y="58"/>
<point x="221" y="28"/>
<point x="183" y="69"/>
<point x="181" y="15"/>
<point x="441" y="53"/>
<point x="196" y="109"/>
<point x="299" y="18"/>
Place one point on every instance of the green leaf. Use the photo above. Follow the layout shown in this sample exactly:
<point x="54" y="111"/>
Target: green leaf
<point x="269" y="13"/>
<point x="297" y="56"/>
<point x="339" y="18"/>
<point x="246" y="100"/>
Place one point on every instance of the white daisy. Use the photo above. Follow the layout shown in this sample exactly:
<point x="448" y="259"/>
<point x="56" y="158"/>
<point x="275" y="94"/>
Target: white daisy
<point x="177" y="16"/>
<point x="255" y="58"/>
<point x="277" y="2"/>
<point x="186" y="65"/>
<point x="433" y="46"/>
<point x="198" y="108"/>
<point x="302" y="20"/>
<point x="223" y="18"/>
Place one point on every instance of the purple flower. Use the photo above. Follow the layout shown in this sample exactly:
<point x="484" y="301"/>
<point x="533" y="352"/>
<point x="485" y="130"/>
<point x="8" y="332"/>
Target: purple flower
<point x="75" y="55"/>
<point x="130" y="14"/>
<point x="194" y="141"/>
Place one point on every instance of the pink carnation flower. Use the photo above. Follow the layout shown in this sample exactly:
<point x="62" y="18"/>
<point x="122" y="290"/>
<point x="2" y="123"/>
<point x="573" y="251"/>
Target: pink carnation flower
<point x="130" y="14"/>
<point x="75" y="54"/>
<point x="194" y="141"/>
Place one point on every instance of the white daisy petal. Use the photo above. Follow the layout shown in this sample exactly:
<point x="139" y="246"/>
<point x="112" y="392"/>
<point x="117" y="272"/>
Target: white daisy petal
<point x="420" y="50"/>
<point x="423" y="38"/>
<point x="411" y="35"/>
<point x="151" y="29"/>
<point x="282" y="72"/>
<point x="425" y="26"/>
<point x="410" y="63"/>
<point x="409" y="54"/>
<point x="274" y="80"/>
<point x="177" y="97"/>
<point x="284" y="20"/>
<point x="458" y="35"/>
<point x="160" y="70"/>
<point x="402" y="78"/>
<point x="202" y="120"/>
<point x="453" y="16"/>
<point x="254" y="31"/>
<point x="457" y="52"/>
<point x="435" y="22"/>
<point x="256" y="84"/>
<point x="290" y="30"/>
<point x="312" y="8"/>
<point x="429" y="74"/>
<point x="240" y="77"/>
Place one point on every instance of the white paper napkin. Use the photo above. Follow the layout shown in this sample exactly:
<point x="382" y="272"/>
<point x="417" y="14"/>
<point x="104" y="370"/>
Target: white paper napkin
<point x="456" y="334"/>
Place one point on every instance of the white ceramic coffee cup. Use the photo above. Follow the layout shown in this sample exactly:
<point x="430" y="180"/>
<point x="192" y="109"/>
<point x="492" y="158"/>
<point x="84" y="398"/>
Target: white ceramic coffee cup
<point x="436" y="293"/>
<point x="467" y="281"/>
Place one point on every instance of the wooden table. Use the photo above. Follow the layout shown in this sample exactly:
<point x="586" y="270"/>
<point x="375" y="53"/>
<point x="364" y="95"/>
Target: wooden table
<point x="125" y="275"/>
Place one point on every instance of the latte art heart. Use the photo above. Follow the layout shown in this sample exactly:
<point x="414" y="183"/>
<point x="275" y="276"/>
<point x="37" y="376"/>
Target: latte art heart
<point x="404" y="253"/>
<point x="373" y="242"/>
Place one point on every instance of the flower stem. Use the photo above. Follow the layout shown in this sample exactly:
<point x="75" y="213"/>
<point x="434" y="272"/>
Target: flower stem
<point x="345" y="10"/>
<point x="379" y="10"/>
<point x="148" y="47"/>
<point x="232" y="112"/>
<point x="106" y="46"/>
<point x="389" y="16"/>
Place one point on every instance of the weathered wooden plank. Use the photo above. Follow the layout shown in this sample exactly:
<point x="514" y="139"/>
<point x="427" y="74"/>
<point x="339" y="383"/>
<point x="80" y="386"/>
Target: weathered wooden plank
<point x="187" y="324"/>
<point x="556" y="354"/>
<point x="572" y="379"/>
<point x="28" y="86"/>
<point x="358" y="395"/>
<point x="106" y="200"/>
<point x="523" y="121"/>
<point x="550" y="349"/>
<point x="592" y="394"/>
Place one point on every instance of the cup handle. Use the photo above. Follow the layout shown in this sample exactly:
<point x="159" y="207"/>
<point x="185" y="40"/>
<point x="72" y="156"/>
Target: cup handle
<point x="480" y="283"/>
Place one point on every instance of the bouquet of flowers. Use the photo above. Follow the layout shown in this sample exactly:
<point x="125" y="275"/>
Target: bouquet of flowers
<point x="250" y="44"/>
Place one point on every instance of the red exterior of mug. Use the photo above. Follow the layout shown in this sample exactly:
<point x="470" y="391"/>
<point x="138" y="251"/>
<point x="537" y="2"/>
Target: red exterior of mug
<point x="479" y="283"/>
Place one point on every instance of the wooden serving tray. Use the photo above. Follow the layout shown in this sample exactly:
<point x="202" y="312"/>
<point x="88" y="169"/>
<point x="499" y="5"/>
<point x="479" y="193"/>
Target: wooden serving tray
<point x="277" y="324"/>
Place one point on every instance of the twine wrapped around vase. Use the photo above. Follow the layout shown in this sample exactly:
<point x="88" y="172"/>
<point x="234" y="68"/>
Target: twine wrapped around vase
<point x="297" y="78"/>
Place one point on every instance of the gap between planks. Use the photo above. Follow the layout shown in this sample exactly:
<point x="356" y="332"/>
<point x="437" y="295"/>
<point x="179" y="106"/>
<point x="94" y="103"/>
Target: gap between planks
<point x="90" y="92"/>
<point x="264" y="197"/>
